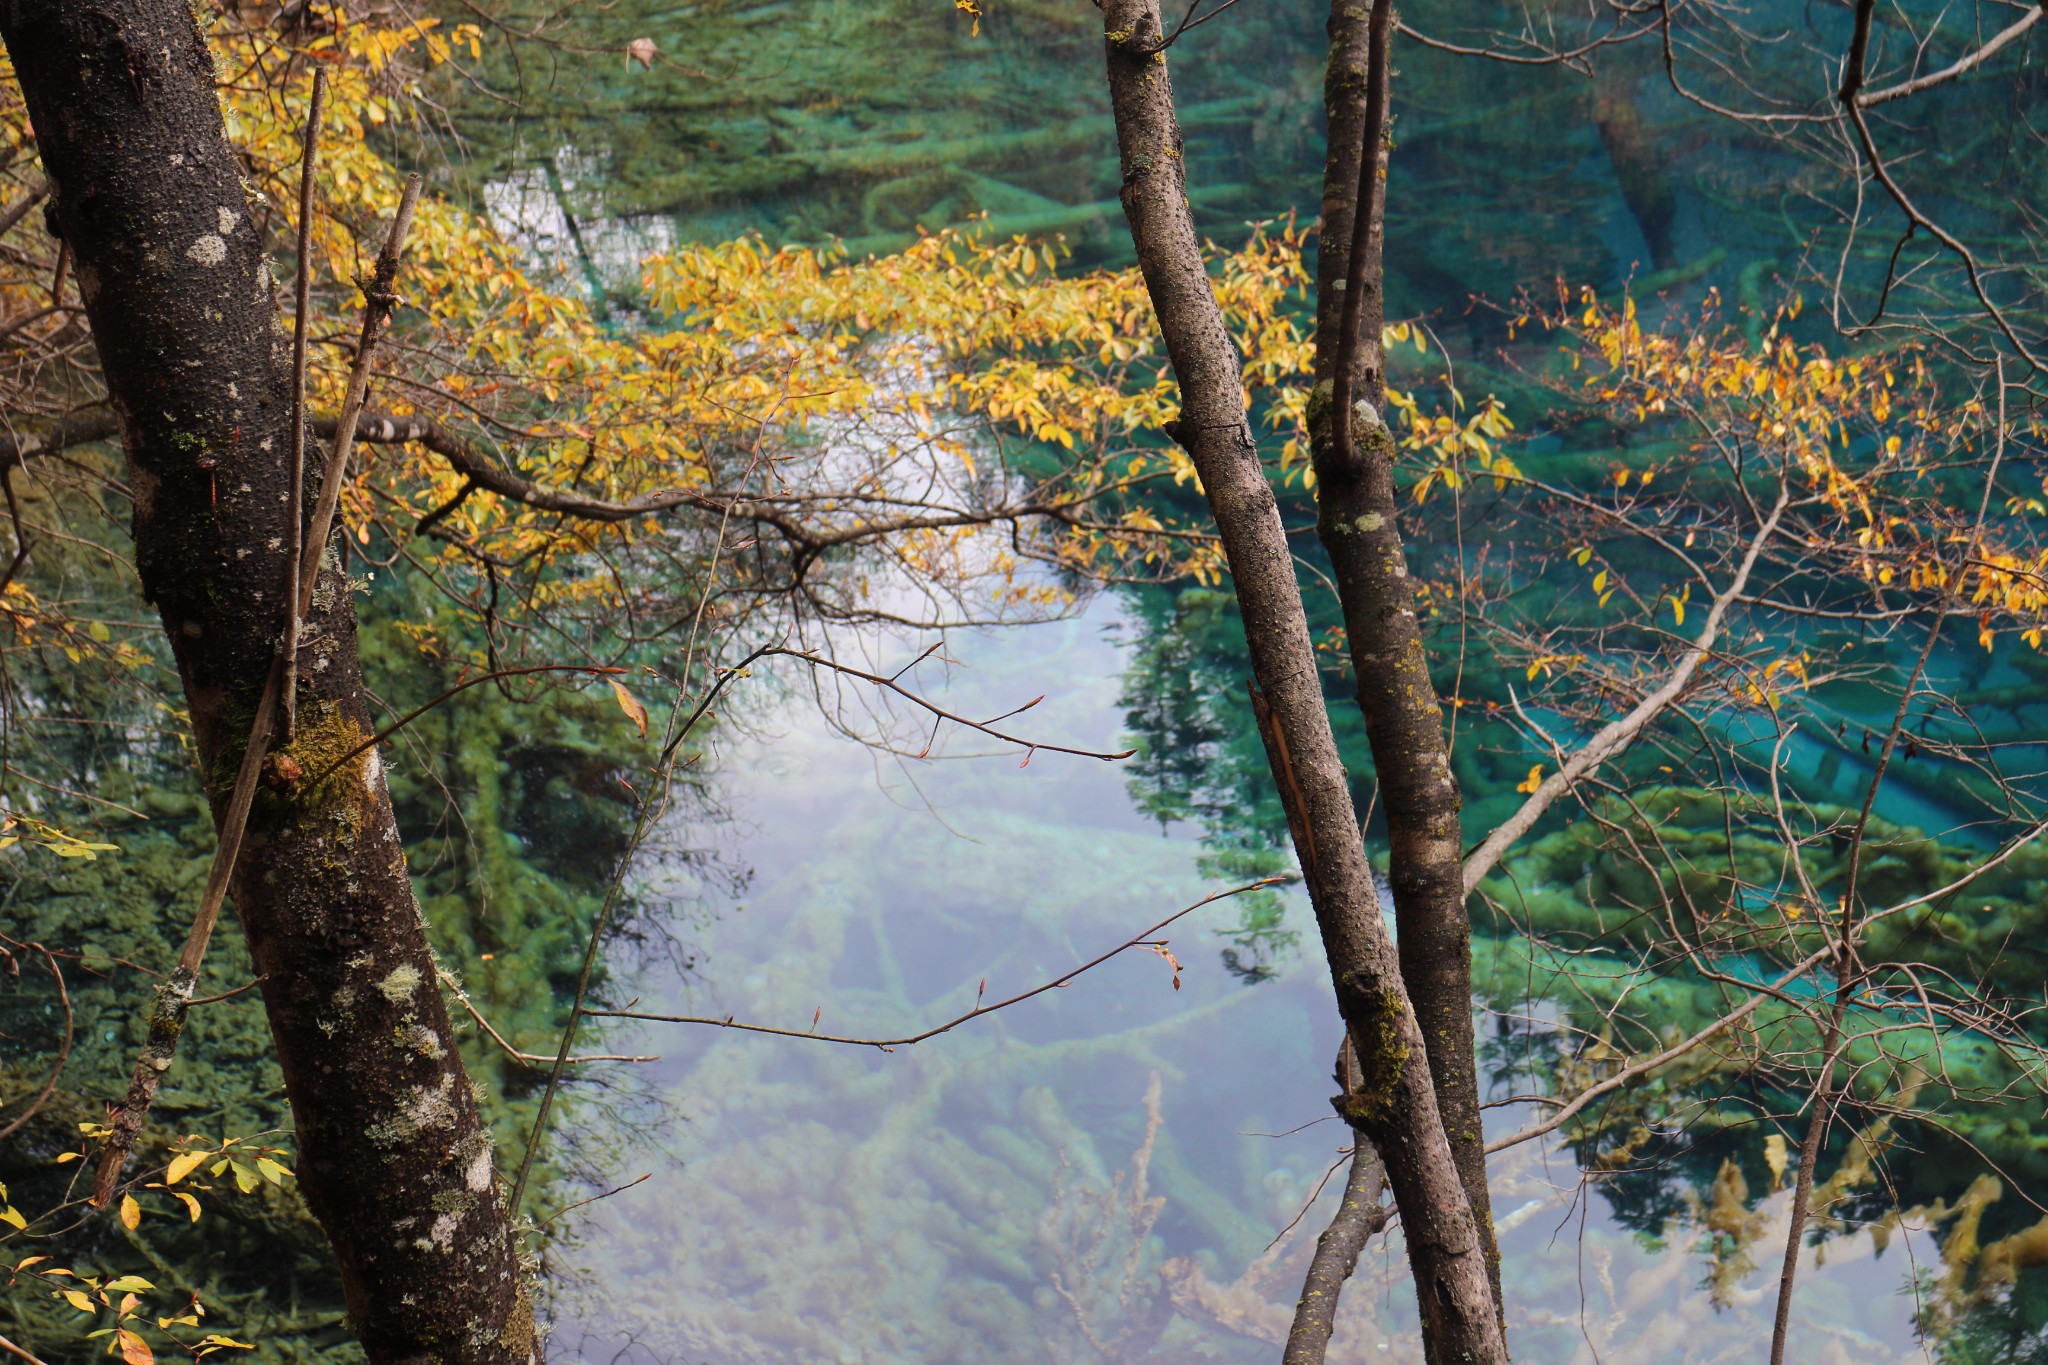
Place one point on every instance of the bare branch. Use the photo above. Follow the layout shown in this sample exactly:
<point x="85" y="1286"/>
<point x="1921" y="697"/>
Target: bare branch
<point x="1144" y="938"/>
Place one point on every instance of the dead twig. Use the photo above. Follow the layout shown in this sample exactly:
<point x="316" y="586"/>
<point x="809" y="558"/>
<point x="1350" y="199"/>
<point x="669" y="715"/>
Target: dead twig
<point x="1144" y="939"/>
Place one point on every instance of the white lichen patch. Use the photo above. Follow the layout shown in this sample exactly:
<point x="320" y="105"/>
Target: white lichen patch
<point x="443" y="1231"/>
<point x="228" y="218"/>
<point x="478" y="1176"/>
<point x="1371" y="521"/>
<point x="427" y="1109"/>
<point x="403" y="981"/>
<point x="424" y="1041"/>
<point x="208" y="249"/>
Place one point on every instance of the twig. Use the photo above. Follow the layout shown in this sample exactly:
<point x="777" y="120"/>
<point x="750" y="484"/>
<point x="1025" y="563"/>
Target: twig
<point x="462" y="996"/>
<point x="418" y="711"/>
<point x="1143" y="939"/>
<point x="19" y="210"/>
<point x="986" y="728"/>
<point x="63" y="1051"/>
<point x="1847" y="975"/>
<point x="242" y="989"/>
<point x="1963" y="67"/>
<point x="1188" y="21"/>
<point x="174" y="996"/>
<point x="620" y="1189"/>
<point x="379" y="302"/>
<point x="296" y="499"/>
<point x="1670" y="1054"/>
<point x="13" y="1350"/>
<point x="1613" y="736"/>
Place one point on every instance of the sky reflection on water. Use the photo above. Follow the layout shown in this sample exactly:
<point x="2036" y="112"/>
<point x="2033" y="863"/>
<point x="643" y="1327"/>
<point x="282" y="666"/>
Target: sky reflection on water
<point x="992" y="1195"/>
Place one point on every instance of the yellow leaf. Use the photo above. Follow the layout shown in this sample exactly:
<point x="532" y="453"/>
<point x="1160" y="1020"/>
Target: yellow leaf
<point x="131" y="1212"/>
<point x="77" y="1299"/>
<point x="630" y="704"/>
<point x="191" y="1204"/>
<point x="12" y="1217"/>
<point x="134" y="1350"/>
<point x="1534" y="780"/>
<point x="182" y="1166"/>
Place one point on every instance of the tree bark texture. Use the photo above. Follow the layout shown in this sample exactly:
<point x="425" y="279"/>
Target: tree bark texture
<point x="147" y="195"/>
<point x="1357" y="510"/>
<point x="1396" y="1105"/>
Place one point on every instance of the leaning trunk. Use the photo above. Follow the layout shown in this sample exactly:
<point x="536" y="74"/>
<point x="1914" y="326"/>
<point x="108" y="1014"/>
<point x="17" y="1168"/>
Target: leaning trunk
<point x="148" y="198"/>
<point x="1396" y="1105"/>
<point x="1357" y="520"/>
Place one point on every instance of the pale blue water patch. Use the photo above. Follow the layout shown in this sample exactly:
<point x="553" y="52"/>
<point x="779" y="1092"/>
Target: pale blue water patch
<point x="1097" y="1174"/>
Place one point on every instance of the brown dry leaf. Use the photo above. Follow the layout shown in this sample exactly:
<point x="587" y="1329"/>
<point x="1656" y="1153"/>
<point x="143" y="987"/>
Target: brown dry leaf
<point x="630" y="704"/>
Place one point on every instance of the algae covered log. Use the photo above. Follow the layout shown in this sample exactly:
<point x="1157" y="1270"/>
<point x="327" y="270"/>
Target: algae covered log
<point x="148" y="199"/>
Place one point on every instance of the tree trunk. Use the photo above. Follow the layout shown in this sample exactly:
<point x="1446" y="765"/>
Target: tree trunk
<point x="1396" y="1105"/>
<point x="1357" y="521"/>
<point x="147" y="195"/>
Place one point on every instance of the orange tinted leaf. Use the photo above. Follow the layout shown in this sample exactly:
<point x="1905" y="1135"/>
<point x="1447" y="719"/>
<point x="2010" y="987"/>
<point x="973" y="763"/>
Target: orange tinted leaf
<point x="134" y="1350"/>
<point x="630" y="704"/>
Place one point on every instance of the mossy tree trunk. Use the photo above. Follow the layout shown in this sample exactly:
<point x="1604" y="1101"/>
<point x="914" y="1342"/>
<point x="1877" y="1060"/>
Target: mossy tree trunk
<point x="1396" y="1103"/>
<point x="147" y="196"/>
<point x="1357" y="521"/>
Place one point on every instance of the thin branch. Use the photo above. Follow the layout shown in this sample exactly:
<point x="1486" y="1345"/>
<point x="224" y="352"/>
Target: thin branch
<point x="1355" y="1223"/>
<point x="13" y="1350"/>
<point x="63" y="1050"/>
<point x="296" y="497"/>
<point x="1618" y="36"/>
<point x="616" y="1189"/>
<point x="455" y="987"/>
<point x="1188" y="21"/>
<point x="890" y="683"/>
<point x="1142" y="939"/>
<point x="418" y="711"/>
<point x="1612" y="737"/>
<point x="1637" y="1070"/>
<point x="19" y="209"/>
<point x="1997" y="43"/>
